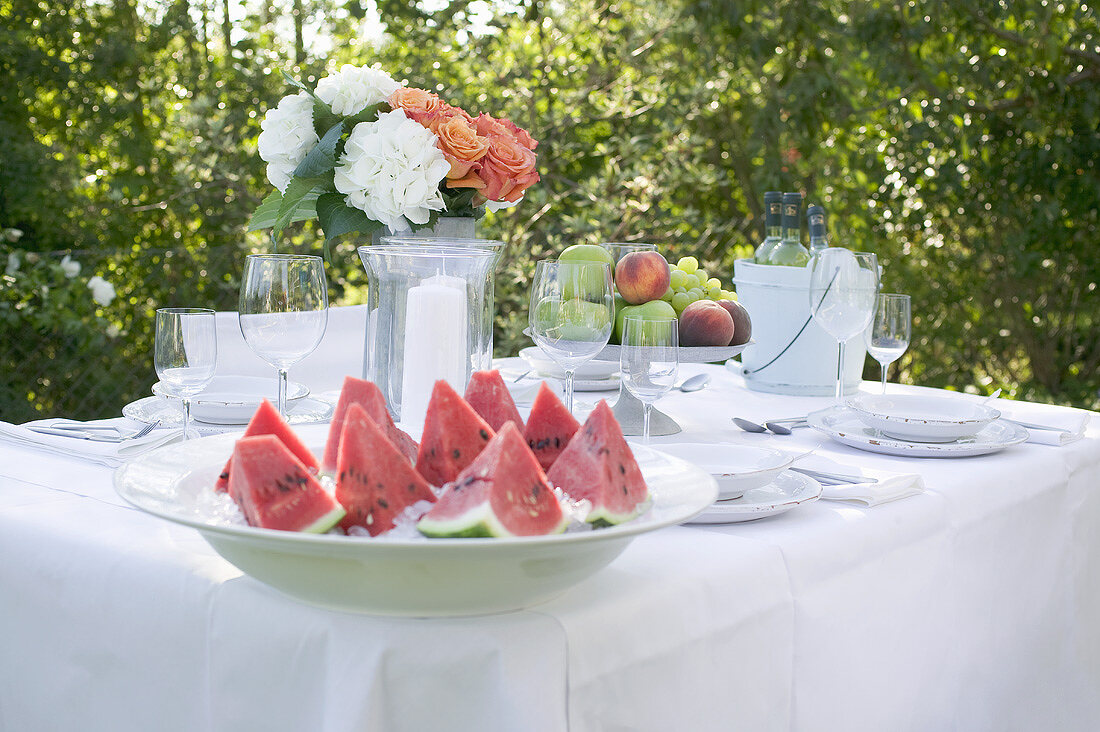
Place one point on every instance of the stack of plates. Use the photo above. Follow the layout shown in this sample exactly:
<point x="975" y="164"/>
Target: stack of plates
<point x="753" y="482"/>
<point x="915" y="425"/>
<point x="590" y="376"/>
<point x="228" y="401"/>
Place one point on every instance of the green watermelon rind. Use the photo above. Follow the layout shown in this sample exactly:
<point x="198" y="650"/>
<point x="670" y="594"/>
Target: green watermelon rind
<point x="478" y="523"/>
<point x="326" y="522"/>
<point x="601" y="518"/>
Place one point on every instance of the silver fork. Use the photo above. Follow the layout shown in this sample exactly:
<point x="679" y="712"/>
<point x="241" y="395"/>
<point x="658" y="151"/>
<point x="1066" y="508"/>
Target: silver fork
<point x="91" y="436"/>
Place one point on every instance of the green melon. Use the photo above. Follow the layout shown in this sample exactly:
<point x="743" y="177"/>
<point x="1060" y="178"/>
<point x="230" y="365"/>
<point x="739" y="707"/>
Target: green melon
<point x="503" y="492"/>
<point x="275" y="490"/>
<point x="599" y="467"/>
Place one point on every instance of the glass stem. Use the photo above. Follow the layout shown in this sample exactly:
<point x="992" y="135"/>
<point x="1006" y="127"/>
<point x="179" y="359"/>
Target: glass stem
<point x="884" y="365"/>
<point x="186" y="416"/>
<point x="282" y="392"/>
<point x="646" y="409"/>
<point x="569" y="390"/>
<point x="840" y="373"/>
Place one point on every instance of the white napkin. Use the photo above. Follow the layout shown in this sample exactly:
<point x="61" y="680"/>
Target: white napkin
<point x="111" y="454"/>
<point x="1068" y="425"/>
<point x="889" y="486"/>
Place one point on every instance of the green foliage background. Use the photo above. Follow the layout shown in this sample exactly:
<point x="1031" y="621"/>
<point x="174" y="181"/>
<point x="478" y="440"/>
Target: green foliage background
<point x="957" y="140"/>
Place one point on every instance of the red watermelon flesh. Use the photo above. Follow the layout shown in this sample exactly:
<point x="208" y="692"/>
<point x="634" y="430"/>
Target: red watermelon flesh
<point x="503" y="492"/>
<point x="375" y="481"/>
<point x="453" y="436"/>
<point x="267" y="421"/>
<point x="369" y="397"/>
<point x="490" y="398"/>
<point x="275" y="490"/>
<point x="599" y="466"/>
<point x="549" y="427"/>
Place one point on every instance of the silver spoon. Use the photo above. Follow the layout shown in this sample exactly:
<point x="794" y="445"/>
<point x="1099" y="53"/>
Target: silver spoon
<point x="694" y="383"/>
<point x="749" y="426"/>
<point x="784" y="429"/>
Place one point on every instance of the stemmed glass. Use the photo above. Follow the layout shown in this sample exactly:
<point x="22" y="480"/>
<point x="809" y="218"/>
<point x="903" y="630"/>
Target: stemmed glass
<point x="571" y="313"/>
<point x="185" y="353"/>
<point x="648" y="361"/>
<point x="843" y="286"/>
<point x="888" y="335"/>
<point x="283" y="310"/>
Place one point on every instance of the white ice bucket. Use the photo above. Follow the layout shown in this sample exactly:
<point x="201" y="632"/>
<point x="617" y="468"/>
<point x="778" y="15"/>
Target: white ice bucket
<point x="792" y="354"/>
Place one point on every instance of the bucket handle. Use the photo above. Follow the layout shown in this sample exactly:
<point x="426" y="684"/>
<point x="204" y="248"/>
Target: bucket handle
<point x="796" y="335"/>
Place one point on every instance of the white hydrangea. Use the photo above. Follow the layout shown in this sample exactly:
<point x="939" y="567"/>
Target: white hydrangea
<point x="391" y="170"/>
<point x="69" y="267"/>
<point x="103" y="292"/>
<point x="287" y="136"/>
<point x="354" y="88"/>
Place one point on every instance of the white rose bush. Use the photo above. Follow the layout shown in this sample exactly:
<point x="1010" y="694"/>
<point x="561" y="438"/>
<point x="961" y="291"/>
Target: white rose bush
<point x="361" y="152"/>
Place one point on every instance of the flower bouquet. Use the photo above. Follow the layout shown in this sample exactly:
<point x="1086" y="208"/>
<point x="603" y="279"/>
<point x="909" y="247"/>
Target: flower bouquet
<point x="361" y="152"/>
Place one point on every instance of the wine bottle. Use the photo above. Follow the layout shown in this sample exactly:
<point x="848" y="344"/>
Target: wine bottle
<point x="773" y="222"/>
<point x="819" y="232"/>
<point x="790" y="251"/>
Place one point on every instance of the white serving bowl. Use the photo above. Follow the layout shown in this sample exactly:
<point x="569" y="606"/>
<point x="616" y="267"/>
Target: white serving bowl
<point x="737" y="468"/>
<point x="920" y="418"/>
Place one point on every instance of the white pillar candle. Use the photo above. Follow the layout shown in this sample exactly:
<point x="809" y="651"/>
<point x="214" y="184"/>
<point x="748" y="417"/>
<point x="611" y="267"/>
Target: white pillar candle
<point x="435" y="344"/>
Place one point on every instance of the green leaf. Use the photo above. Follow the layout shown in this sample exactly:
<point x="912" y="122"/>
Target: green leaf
<point x="337" y="218"/>
<point x="267" y="213"/>
<point x="369" y="114"/>
<point x="293" y="196"/>
<point x="323" y="116"/>
<point x="322" y="158"/>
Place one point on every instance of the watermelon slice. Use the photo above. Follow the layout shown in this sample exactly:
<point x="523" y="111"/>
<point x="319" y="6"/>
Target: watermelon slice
<point x="267" y="421"/>
<point x="490" y="398"/>
<point x="453" y="436"/>
<point x="503" y="492"/>
<point x="369" y="396"/>
<point x="549" y="427"/>
<point x="375" y="482"/>
<point x="599" y="466"/>
<point x="275" y="490"/>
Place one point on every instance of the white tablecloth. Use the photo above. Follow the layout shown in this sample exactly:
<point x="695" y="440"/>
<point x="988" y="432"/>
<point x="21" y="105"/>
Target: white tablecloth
<point x="973" y="606"/>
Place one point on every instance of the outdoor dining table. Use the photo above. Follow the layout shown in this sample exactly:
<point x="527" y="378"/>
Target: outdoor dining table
<point x="973" y="605"/>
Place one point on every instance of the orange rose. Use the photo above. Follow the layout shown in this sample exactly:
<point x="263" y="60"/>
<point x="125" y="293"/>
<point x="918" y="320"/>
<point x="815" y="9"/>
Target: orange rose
<point x="418" y="104"/>
<point x="462" y="147"/>
<point x="521" y="135"/>
<point x="490" y="127"/>
<point x="508" y="169"/>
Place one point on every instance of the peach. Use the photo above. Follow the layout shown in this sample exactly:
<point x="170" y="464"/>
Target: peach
<point x="642" y="276"/>
<point x="705" y="323"/>
<point x="742" y="326"/>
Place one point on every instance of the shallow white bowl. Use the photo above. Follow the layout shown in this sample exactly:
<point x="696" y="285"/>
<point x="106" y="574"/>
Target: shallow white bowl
<point x="543" y="365"/>
<point x="737" y="468"/>
<point x="921" y="418"/>
<point x="400" y="576"/>
<point x="233" y="399"/>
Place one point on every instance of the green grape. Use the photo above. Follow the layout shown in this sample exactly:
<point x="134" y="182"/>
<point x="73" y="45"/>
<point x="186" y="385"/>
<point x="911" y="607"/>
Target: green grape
<point x="667" y="297"/>
<point x="727" y="295"/>
<point x="679" y="279"/>
<point x="714" y="282"/>
<point x="688" y="264"/>
<point x="714" y="293"/>
<point x="700" y="280"/>
<point x="696" y="294"/>
<point x="680" y="301"/>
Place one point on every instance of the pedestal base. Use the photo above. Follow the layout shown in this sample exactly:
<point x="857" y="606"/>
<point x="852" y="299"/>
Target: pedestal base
<point x="631" y="415"/>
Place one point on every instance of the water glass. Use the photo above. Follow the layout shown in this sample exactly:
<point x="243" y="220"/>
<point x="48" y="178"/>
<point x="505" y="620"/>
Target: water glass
<point x="283" y="310"/>
<point x="571" y="313"/>
<point x="843" y="286"/>
<point x="890" y="330"/>
<point x="649" y="361"/>
<point x="185" y="353"/>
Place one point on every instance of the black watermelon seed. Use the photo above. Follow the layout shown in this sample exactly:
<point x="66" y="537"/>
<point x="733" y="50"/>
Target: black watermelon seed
<point x="224" y="476"/>
<point x="625" y="491"/>
<point x="383" y="504"/>
<point x="622" y="468"/>
<point x="557" y="442"/>
<point x="341" y="478"/>
<point x="456" y="454"/>
<point x="412" y="488"/>
<point x="484" y="434"/>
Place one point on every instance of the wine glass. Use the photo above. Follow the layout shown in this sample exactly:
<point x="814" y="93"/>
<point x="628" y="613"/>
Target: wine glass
<point x="648" y="361"/>
<point x="283" y="310"/>
<point x="843" y="285"/>
<point x="619" y="249"/>
<point x="185" y="353"/>
<point x="888" y="335"/>
<point x="571" y="314"/>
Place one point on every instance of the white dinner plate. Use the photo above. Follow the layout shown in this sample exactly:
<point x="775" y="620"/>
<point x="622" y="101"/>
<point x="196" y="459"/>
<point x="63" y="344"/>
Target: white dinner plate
<point x="737" y="468"/>
<point x="399" y="576"/>
<point x="589" y="371"/>
<point x="304" y="411"/>
<point x="845" y="426"/>
<point x="922" y="417"/>
<point x="789" y="489"/>
<point x="233" y="399"/>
